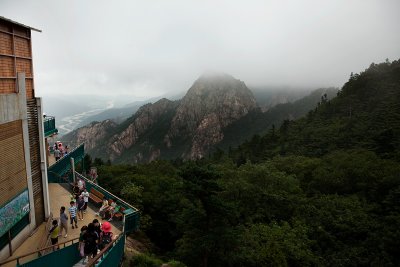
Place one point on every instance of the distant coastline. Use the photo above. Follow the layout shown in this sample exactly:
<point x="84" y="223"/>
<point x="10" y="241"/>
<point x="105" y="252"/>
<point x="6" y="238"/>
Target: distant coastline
<point x="69" y="123"/>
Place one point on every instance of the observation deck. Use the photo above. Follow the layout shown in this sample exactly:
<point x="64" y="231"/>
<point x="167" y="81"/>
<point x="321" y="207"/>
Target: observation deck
<point x="37" y="249"/>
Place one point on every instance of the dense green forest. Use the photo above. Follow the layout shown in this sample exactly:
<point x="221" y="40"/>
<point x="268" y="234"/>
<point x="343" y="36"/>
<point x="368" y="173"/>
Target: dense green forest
<point x="323" y="190"/>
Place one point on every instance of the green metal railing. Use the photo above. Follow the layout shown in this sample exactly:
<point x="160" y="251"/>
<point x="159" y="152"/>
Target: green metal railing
<point x="68" y="255"/>
<point x="131" y="214"/>
<point x="49" y="126"/>
<point x="132" y="221"/>
<point x="112" y="255"/>
<point x="64" y="257"/>
<point x="56" y="171"/>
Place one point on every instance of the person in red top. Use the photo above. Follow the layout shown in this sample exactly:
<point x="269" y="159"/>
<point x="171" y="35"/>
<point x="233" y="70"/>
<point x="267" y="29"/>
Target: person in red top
<point x="106" y="236"/>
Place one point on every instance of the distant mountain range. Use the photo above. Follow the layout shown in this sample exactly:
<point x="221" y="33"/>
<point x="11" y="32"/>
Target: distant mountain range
<point x="265" y="97"/>
<point x="217" y="111"/>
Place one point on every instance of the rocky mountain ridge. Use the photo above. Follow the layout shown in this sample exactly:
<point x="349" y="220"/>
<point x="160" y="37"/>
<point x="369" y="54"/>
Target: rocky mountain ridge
<point x="189" y="128"/>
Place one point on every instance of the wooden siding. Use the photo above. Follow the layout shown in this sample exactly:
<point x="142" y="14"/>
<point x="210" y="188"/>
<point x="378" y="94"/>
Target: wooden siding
<point x="33" y="129"/>
<point x="24" y="65"/>
<point x="6" y="44"/>
<point x="22" y="47"/>
<point x="15" y="56"/>
<point x="7" y="66"/>
<point x="12" y="167"/>
<point x="7" y="86"/>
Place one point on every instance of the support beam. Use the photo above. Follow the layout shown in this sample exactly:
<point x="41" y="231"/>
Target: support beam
<point x="27" y="153"/>
<point x="43" y="159"/>
<point x="73" y="169"/>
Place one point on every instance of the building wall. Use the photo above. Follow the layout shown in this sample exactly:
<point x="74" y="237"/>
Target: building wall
<point x="20" y="160"/>
<point x="12" y="168"/>
<point x="15" y="56"/>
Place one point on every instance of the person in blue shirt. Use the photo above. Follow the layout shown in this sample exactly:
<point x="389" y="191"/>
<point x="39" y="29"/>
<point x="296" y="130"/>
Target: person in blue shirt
<point x="72" y="214"/>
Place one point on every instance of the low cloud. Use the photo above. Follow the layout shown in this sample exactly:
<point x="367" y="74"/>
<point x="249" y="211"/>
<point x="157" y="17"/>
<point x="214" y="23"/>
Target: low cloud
<point x="150" y="48"/>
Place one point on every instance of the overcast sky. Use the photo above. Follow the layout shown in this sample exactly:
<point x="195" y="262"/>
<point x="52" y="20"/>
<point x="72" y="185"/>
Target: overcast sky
<point x="149" y="48"/>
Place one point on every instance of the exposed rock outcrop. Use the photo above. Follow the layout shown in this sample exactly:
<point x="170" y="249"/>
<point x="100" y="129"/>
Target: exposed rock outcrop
<point x="145" y="118"/>
<point x="213" y="102"/>
<point x="92" y="134"/>
<point x="188" y="128"/>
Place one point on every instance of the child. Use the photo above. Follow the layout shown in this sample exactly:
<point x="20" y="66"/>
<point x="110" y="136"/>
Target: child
<point x="81" y="205"/>
<point x="72" y="214"/>
<point x="63" y="222"/>
<point x="54" y="233"/>
<point x="85" y="195"/>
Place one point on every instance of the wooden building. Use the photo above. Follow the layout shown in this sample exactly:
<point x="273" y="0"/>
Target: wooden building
<point x="23" y="178"/>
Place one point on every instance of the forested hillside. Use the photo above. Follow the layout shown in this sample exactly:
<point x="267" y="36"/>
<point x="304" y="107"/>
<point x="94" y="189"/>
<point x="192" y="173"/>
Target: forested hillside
<point x="258" y="122"/>
<point x="323" y="190"/>
<point x="365" y="114"/>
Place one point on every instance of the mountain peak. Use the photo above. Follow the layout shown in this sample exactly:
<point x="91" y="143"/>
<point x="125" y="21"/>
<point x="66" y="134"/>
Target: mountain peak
<point x="217" y="80"/>
<point x="214" y="101"/>
<point x="215" y="75"/>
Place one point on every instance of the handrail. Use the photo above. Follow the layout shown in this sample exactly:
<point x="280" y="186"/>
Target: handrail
<point x="47" y="118"/>
<point x="62" y="166"/>
<point x="93" y="261"/>
<point x="69" y="153"/>
<point x="45" y="239"/>
<point x="114" y="196"/>
<point x="49" y="125"/>
<point x="38" y="251"/>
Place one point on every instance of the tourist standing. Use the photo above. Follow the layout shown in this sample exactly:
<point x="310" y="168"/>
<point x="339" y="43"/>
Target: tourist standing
<point x="72" y="214"/>
<point x="57" y="154"/>
<point x="85" y="194"/>
<point x="63" y="222"/>
<point x="54" y="233"/>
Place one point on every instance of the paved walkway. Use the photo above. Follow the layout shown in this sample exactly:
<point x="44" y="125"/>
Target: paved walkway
<point x="59" y="196"/>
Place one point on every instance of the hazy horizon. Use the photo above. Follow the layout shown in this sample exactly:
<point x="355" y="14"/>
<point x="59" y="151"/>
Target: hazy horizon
<point x="151" y="49"/>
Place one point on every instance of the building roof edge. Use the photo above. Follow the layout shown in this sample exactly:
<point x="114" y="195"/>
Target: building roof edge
<point x="20" y="24"/>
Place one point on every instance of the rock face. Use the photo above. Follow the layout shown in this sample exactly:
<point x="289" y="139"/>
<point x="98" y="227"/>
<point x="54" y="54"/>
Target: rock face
<point x="146" y="117"/>
<point x="91" y="134"/>
<point x="187" y="128"/>
<point x="213" y="102"/>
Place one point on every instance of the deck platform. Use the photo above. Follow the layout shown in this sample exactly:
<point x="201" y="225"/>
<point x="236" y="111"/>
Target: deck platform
<point x="59" y="195"/>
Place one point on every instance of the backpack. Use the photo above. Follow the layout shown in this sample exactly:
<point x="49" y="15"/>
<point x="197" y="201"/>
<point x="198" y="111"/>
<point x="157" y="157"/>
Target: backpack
<point x="90" y="242"/>
<point x="106" y="239"/>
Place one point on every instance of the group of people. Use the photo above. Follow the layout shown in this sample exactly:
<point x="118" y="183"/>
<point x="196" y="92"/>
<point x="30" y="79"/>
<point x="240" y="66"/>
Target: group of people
<point x="78" y="205"/>
<point x="94" y="236"/>
<point x="79" y="199"/>
<point x="60" y="151"/>
<point x="108" y="209"/>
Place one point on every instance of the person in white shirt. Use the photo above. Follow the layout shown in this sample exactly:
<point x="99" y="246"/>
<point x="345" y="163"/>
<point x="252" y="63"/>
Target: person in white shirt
<point x="85" y="195"/>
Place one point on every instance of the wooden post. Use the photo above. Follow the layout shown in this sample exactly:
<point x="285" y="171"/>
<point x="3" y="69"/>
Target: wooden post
<point x="73" y="169"/>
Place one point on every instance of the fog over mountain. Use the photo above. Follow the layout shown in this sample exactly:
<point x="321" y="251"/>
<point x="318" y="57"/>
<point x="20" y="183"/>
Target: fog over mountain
<point x="149" y="48"/>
